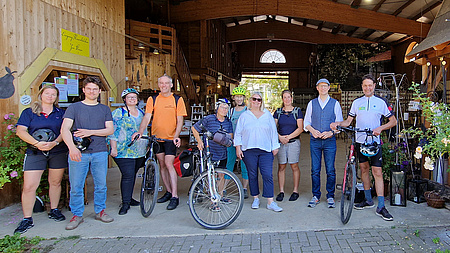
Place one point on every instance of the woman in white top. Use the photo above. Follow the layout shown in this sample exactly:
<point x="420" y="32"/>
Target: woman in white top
<point x="256" y="142"/>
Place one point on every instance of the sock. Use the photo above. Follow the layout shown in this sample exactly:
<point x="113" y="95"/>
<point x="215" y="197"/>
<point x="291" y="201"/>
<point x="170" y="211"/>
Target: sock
<point x="380" y="202"/>
<point x="368" y="195"/>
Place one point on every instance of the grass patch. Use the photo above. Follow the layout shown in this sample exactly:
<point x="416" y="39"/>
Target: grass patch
<point x="16" y="243"/>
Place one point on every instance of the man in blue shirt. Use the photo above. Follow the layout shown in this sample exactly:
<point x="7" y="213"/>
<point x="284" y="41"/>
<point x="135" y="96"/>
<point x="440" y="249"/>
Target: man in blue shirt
<point x="369" y="111"/>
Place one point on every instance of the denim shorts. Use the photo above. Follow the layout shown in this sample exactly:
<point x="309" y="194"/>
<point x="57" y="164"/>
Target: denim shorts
<point x="289" y="152"/>
<point x="39" y="161"/>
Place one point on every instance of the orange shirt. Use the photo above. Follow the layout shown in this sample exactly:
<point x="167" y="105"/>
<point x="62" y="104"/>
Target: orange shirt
<point x="165" y="115"/>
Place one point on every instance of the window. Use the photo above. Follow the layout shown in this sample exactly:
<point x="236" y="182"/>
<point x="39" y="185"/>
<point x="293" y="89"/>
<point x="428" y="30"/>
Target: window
<point x="272" y="56"/>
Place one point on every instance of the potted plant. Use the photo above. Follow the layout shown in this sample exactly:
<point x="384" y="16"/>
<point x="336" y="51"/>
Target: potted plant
<point x="435" y="140"/>
<point x="12" y="152"/>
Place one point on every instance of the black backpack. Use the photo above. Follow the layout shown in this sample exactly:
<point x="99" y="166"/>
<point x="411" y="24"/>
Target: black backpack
<point x="294" y="112"/>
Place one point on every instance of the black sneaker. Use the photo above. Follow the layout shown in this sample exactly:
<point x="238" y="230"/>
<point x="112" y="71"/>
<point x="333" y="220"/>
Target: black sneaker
<point x="383" y="213"/>
<point x="294" y="196"/>
<point x="280" y="196"/>
<point x="166" y="197"/>
<point x="134" y="202"/>
<point x="24" y="225"/>
<point x="124" y="208"/>
<point x="56" y="215"/>
<point x="173" y="203"/>
<point x="364" y="204"/>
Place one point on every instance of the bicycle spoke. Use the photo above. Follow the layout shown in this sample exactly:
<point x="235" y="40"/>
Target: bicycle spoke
<point x="348" y="192"/>
<point x="221" y="213"/>
<point x="149" y="188"/>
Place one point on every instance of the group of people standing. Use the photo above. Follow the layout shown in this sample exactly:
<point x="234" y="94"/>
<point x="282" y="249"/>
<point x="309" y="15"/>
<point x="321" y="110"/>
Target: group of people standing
<point x="77" y="139"/>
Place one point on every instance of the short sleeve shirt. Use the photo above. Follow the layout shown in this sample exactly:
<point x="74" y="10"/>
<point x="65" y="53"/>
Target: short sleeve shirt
<point x="165" y="114"/>
<point x="368" y="112"/>
<point x="212" y="124"/>
<point x="287" y="123"/>
<point x="124" y="127"/>
<point x="91" y="117"/>
<point x="34" y="122"/>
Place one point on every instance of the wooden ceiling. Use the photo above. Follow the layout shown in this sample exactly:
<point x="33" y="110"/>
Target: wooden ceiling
<point x="314" y="21"/>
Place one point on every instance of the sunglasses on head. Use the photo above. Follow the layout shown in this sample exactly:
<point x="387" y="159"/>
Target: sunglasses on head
<point x="256" y="99"/>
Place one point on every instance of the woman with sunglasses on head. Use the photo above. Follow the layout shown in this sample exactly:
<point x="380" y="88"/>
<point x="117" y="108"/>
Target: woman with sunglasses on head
<point x="256" y="142"/>
<point x="126" y="121"/>
<point x="289" y="120"/>
<point x="40" y="127"/>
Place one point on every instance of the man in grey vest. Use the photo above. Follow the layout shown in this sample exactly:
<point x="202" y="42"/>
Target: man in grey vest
<point x="320" y="113"/>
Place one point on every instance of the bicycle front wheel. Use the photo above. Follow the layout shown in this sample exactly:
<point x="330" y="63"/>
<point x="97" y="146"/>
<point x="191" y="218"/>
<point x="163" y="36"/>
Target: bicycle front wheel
<point x="348" y="192"/>
<point x="216" y="214"/>
<point x="149" y="188"/>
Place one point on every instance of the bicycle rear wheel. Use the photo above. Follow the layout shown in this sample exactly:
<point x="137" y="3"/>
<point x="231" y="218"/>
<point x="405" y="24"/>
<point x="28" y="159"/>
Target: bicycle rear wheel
<point x="216" y="214"/>
<point x="149" y="188"/>
<point x="348" y="192"/>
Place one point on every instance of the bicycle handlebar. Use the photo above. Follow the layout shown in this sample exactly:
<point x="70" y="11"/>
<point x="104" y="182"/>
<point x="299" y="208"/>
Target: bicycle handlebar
<point x="152" y="138"/>
<point x="353" y="129"/>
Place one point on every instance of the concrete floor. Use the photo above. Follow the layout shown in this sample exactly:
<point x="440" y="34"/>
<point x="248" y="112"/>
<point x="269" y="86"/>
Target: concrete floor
<point x="295" y="217"/>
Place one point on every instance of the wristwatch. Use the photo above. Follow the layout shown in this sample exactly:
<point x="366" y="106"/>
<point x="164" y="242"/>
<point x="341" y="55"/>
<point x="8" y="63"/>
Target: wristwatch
<point x="57" y="143"/>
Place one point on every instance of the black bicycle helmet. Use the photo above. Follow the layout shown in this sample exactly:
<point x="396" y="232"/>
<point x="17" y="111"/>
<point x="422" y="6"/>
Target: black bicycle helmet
<point x="44" y="134"/>
<point x="82" y="143"/>
<point x="369" y="148"/>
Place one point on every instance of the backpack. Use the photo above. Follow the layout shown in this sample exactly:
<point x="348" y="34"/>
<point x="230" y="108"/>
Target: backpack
<point x="125" y="111"/>
<point x="294" y="112"/>
<point x="174" y="95"/>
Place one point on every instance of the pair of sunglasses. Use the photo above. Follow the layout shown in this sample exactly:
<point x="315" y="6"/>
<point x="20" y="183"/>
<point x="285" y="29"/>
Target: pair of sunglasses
<point x="256" y="99"/>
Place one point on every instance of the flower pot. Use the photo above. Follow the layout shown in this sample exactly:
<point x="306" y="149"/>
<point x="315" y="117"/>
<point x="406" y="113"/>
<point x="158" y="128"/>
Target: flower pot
<point x="434" y="199"/>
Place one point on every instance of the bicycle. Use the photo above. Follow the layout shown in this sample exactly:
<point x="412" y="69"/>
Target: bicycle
<point x="150" y="177"/>
<point x="349" y="180"/>
<point x="215" y="201"/>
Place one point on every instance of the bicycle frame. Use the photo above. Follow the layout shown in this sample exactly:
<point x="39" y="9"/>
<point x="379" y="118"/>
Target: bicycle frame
<point x="215" y="197"/>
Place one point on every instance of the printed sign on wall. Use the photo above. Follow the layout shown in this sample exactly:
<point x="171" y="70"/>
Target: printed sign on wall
<point x="74" y="43"/>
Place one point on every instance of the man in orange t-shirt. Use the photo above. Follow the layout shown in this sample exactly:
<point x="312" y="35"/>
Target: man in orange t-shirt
<point x="167" y="124"/>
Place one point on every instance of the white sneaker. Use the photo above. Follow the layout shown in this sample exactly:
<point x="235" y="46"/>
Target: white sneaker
<point x="255" y="204"/>
<point x="274" y="207"/>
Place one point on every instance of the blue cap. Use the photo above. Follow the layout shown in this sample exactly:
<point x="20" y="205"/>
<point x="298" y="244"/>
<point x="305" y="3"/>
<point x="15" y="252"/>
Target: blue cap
<point x="323" y="80"/>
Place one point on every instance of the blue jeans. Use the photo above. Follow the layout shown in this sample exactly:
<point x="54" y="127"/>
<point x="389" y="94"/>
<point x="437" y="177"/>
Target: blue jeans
<point x="328" y="147"/>
<point x="231" y="160"/>
<point x="256" y="158"/>
<point x="98" y="162"/>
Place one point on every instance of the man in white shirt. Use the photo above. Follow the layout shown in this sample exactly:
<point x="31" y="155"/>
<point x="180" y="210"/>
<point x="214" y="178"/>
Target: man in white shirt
<point x="368" y="111"/>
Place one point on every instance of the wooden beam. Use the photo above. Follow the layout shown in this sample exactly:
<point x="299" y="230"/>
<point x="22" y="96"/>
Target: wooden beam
<point x="305" y="22"/>
<point x="286" y="31"/>
<point x="320" y="25"/>
<point x="378" y="6"/>
<point x="355" y="4"/>
<point x="336" y="29"/>
<point x="367" y="33"/>
<point x="429" y="8"/>
<point x="349" y="34"/>
<point x="383" y="37"/>
<point x="399" y="10"/>
<point x="327" y="10"/>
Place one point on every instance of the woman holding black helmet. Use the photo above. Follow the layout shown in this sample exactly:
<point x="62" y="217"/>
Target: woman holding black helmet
<point x="213" y="123"/>
<point x="126" y="121"/>
<point x="40" y="127"/>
